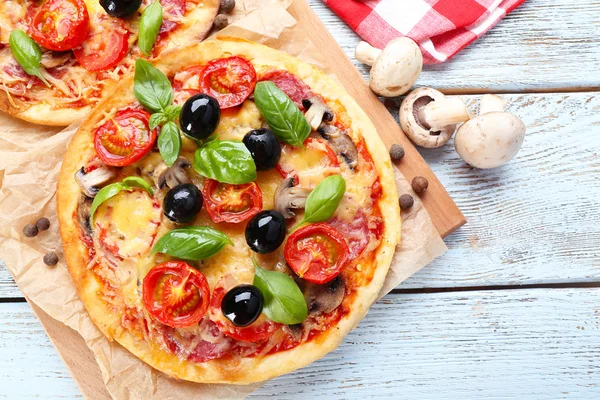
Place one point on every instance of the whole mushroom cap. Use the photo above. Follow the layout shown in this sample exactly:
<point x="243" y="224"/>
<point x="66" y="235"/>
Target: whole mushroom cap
<point x="397" y="68"/>
<point x="420" y="134"/>
<point x="490" y="140"/>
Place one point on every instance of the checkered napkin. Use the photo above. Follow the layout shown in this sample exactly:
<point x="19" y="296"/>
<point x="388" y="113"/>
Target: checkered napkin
<point x="441" y="27"/>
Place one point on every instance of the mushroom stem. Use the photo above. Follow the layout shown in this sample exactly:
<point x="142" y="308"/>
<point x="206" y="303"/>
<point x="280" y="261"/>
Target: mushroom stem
<point x="441" y="113"/>
<point x="366" y="54"/>
<point x="492" y="103"/>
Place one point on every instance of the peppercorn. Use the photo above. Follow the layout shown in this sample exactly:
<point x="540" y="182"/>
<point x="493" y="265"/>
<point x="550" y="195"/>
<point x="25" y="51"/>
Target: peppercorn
<point x="406" y="201"/>
<point x="50" y="259"/>
<point x="220" y="22"/>
<point x="419" y="184"/>
<point x="396" y="152"/>
<point x="226" y="6"/>
<point x="30" y="230"/>
<point x="43" y="224"/>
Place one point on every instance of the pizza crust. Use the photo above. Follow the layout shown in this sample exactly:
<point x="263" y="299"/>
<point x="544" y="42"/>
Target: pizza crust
<point x="246" y="370"/>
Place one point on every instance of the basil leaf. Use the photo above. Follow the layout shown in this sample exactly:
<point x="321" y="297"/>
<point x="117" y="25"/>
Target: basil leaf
<point x="136" y="181"/>
<point x="151" y="86"/>
<point x="27" y="53"/>
<point x="324" y="199"/>
<point x="150" y="23"/>
<point x="284" y="302"/>
<point x="283" y="116"/>
<point x="157" y="119"/>
<point x="106" y="193"/>
<point x="172" y="112"/>
<point x="169" y="143"/>
<point x="192" y="243"/>
<point x="225" y="161"/>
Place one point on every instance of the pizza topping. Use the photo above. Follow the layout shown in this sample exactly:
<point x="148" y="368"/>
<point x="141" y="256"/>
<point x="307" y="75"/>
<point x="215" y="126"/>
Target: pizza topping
<point x="176" y="294"/>
<point x="290" y="197"/>
<point x="230" y="80"/>
<point x="61" y="24"/>
<point x="150" y="23"/>
<point x="283" y="116"/>
<point x="120" y="8"/>
<point x="173" y="175"/>
<point x="84" y="207"/>
<point x="266" y="231"/>
<point x="290" y="84"/>
<point x="200" y="116"/>
<point x="317" y="252"/>
<point x="264" y="147"/>
<point x="192" y="243"/>
<point x="27" y="53"/>
<point x="310" y="163"/>
<point x="324" y="298"/>
<point x="225" y="161"/>
<point x="316" y="112"/>
<point x="182" y="203"/>
<point x="242" y="305"/>
<point x="231" y="203"/>
<point x="106" y="46"/>
<point x="341" y="143"/>
<point x="125" y="138"/>
<point x="356" y="232"/>
<point x="324" y="200"/>
<point x="208" y="344"/>
<point x="108" y="192"/>
<point x="51" y="59"/>
<point x="90" y="180"/>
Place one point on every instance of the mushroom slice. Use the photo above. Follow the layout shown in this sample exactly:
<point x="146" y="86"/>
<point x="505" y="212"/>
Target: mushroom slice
<point x="51" y="59"/>
<point x="429" y="119"/>
<point x="90" y="182"/>
<point x="289" y="197"/>
<point x="316" y="112"/>
<point x="325" y="298"/>
<point x="173" y="175"/>
<point x="341" y="143"/>
<point x="84" y="209"/>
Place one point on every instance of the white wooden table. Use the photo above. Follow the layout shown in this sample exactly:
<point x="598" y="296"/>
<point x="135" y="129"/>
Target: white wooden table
<point x="512" y="310"/>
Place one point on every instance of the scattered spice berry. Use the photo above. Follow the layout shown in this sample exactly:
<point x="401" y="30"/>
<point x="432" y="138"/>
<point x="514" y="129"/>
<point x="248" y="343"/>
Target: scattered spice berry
<point x="51" y="259"/>
<point x="43" y="224"/>
<point x="406" y="201"/>
<point x="30" y="230"/>
<point x="396" y="152"/>
<point x="226" y="6"/>
<point x="419" y="184"/>
<point x="220" y="22"/>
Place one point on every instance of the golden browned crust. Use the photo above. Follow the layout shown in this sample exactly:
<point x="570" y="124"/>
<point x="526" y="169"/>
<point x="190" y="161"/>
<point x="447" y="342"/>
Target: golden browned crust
<point x="246" y="370"/>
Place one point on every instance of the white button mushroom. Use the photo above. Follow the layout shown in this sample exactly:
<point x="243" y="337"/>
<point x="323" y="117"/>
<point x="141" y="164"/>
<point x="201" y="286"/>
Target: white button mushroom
<point x="429" y="118"/>
<point x="493" y="138"/>
<point x="395" y="69"/>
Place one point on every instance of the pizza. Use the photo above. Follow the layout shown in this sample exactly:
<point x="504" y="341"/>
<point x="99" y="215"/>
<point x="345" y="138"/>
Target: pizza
<point x="230" y="215"/>
<point x="70" y="54"/>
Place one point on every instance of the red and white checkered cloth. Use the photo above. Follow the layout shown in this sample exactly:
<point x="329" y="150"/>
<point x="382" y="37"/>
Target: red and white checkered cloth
<point x="441" y="27"/>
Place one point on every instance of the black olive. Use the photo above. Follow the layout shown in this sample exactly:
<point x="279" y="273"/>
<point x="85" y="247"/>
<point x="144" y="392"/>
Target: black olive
<point x="266" y="231"/>
<point x="242" y="305"/>
<point x="120" y="8"/>
<point x="200" y="116"/>
<point x="182" y="203"/>
<point x="264" y="147"/>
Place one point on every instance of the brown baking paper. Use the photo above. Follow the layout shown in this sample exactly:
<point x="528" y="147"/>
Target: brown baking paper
<point x="30" y="160"/>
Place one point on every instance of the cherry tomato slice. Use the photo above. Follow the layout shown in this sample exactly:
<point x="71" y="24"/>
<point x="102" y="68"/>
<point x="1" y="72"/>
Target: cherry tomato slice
<point x="316" y="154"/>
<point x="104" y="48"/>
<point x="290" y="84"/>
<point x="316" y="252"/>
<point x="229" y="80"/>
<point x="260" y="329"/>
<point x="231" y="203"/>
<point x="176" y="294"/>
<point x="125" y="138"/>
<point x="61" y="24"/>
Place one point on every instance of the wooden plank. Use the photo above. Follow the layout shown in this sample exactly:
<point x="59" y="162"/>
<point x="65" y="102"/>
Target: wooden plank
<point x="514" y="344"/>
<point x="544" y="45"/>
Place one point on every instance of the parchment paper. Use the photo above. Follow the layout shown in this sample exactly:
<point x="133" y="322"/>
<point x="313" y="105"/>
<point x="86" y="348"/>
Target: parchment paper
<point x="30" y="160"/>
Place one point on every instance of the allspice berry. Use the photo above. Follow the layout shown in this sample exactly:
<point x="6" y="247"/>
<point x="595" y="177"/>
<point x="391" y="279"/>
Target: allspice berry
<point x="220" y="22"/>
<point x="406" y="201"/>
<point x="51" y="259"/>
<point x="30" y="230"/>
<point x="226" y="6"/>
<point x="419" y="184"/>
<point x="396" y="152"/>
<point x="43" y="224"/>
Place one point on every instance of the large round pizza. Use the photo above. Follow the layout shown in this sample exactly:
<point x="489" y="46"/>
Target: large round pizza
<point x="230" y="215"/>
<point x="58" y="58"/>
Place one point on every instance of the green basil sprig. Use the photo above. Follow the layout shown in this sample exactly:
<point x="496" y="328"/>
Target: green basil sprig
<point x="110" y="191"/>
<point x="284" y="302"/>
<point x="169" y="143"/>
<point x="27" y="53"/>
<point x="322" y="202"/>
<point x="283" y="116"/>
<point x="192" y="243"/>
<point x="150" y="23"/>
<point x="225" y="161"/>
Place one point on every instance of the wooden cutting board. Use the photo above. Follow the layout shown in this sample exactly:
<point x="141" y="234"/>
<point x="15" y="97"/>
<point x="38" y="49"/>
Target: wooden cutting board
<point x="444" y="213"/>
